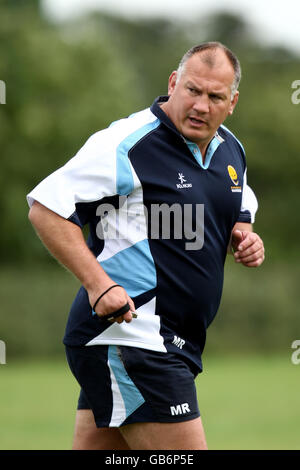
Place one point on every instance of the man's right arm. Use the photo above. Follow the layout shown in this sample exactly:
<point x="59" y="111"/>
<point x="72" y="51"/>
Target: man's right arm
<point x="66" y="243"/>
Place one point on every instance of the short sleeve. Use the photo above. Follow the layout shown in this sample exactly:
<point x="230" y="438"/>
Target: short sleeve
<point x="249" y="204"/>
<point x="87" y="178"/>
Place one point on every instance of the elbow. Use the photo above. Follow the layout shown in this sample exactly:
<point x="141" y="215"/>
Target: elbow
<point x="32" y="218"/>
<point x="34" y="214"/>
<point x="40" y="216"/>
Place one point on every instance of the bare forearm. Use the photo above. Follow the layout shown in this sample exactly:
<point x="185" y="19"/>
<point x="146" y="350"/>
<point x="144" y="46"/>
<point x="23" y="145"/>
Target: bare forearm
<point x="66" y="243"/>
<point x="243" y="226"/>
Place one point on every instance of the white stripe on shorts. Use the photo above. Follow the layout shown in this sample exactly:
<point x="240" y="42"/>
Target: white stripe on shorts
<point x="119" y="411"/>
<point x="126" y="398"/>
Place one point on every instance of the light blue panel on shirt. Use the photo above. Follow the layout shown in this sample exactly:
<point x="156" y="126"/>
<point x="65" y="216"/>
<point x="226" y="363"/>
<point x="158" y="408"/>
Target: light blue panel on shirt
<point x="131" y="395"/>
<point x="133" y="268"/>
<point x="214" y="144"/>
<point x="124" y="175"/>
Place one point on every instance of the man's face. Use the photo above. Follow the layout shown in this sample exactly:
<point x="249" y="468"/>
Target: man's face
<point x="200" y="100"/>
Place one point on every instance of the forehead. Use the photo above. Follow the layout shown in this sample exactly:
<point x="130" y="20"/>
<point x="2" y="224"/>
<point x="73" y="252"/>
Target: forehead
<point x="209" y="67"/>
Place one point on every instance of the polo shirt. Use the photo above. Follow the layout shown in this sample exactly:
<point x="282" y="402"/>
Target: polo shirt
<point x="159" y="224"/>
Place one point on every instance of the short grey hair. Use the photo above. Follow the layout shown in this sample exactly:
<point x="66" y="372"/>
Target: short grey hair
<point x="212" y="46"/>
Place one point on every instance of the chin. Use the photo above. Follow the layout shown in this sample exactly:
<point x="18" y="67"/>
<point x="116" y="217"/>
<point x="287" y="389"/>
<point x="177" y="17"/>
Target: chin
<point x="196" y="137"/>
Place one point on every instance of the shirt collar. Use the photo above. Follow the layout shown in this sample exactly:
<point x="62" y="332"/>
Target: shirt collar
<point x="158" y="112"/>
<point x="162" y="116"/>
<point x="193" y="147"/>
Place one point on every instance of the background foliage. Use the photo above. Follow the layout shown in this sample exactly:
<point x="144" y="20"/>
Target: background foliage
<point x="66" y="81"/>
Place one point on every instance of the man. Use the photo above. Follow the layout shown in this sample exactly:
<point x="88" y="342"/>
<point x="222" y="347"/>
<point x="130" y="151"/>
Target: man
<point x="137" y="370"/>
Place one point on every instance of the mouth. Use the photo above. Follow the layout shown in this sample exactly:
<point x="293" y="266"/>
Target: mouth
<point x="196" y="122"/>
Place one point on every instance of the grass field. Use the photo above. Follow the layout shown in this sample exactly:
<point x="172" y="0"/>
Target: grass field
<point x="249" y="402"/>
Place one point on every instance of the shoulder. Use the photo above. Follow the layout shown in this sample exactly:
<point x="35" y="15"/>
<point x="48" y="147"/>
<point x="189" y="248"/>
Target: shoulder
<point x="228" y="135"/>
<point x="233" y="142"/>
<point x="132" y="127"/>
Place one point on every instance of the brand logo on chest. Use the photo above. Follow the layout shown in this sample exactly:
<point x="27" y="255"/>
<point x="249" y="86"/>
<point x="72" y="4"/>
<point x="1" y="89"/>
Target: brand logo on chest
<point x="183" y="184"/>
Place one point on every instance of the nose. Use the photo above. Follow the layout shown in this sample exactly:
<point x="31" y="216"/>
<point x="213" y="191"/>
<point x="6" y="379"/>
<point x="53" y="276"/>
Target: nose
<point x="201" y="104"/>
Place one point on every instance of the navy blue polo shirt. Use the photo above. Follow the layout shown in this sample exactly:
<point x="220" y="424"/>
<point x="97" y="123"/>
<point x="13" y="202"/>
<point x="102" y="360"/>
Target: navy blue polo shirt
<point x="160" y="222"/>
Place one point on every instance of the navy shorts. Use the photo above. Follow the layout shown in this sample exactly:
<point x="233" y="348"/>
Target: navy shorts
<point x="124" y="385"/>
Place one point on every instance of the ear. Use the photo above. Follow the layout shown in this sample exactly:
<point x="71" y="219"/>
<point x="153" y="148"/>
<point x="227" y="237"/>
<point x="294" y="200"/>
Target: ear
<point x="233" y="103"/>
<point x="172" y="82"/>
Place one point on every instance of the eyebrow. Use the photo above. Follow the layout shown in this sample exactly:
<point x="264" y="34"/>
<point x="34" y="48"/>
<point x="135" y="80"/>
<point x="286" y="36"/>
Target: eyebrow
<point x="192" y="85"/>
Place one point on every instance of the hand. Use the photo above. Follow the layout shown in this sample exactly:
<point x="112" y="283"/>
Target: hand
<point x="248" y="247"/>
<point x="113" y="300"/>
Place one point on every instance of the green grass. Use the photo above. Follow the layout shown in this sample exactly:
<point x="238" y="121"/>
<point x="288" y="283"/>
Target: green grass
<point x="37" y="408"/>
<point x="249" y="402"/>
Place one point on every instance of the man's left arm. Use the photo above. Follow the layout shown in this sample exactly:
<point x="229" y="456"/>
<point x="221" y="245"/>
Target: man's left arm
<point x="247" y="245"/>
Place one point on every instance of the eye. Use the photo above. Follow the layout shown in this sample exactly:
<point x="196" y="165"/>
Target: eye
<point x="192" y="90"/>
<point x="215" y="97"/>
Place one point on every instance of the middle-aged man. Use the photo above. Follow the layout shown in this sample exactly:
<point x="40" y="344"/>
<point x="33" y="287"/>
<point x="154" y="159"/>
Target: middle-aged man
<point x="165" y="194"/>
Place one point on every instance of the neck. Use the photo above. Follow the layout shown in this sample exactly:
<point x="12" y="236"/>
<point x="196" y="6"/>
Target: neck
<point x="203" y="149"/>
<point x="202" y="146"/>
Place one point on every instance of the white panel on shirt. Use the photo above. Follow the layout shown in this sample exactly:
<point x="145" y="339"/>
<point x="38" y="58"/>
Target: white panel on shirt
<point x="91" y="174"/>
<point x="142" y="332"/>
<point x="124" y="227"/>
<point x="249" y="201"/>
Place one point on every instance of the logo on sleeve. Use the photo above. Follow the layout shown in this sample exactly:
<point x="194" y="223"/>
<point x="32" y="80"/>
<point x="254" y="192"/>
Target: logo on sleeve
<point x="234" y="178"/>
